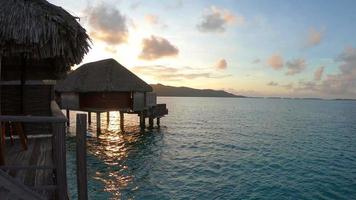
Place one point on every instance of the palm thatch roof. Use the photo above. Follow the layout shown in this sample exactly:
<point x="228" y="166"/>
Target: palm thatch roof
<point x="102" y="76"/>
<point x="37" y="29"/>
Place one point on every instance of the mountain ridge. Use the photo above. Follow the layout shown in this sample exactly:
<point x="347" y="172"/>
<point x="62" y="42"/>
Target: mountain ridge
<point x="165" y="90"/>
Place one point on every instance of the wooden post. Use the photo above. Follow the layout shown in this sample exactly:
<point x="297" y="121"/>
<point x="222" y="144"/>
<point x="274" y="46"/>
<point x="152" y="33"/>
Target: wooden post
<point x="122" y="121"/>
<point x="108" y="117"/>
<point x="150" y="121"/>
<point x="142" y="120"/>
<point x="81" y="157"/>
<point x="159" y="122"/>
<point x="98" y="124"/>
<point x="2" y="160"/>
<point x="59" y="132"/>
<point x="68" y="117"/>
<point x="89" y="118"/>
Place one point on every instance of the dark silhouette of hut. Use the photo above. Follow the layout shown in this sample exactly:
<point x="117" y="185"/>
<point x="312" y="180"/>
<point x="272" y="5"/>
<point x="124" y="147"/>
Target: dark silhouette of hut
<point x="38" y="43"/>
<point x="106" y="85"/>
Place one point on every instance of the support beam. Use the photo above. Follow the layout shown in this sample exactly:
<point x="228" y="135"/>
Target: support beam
<point x="89" y="118"/>
<point x="108" y="117"/>
<point x="81" y="157"/>
<point x="150" y="121"/>
<point x="122" y="121"/>
<point x="98" y="124"/>
<point x="159" y="122"/>
<point x="142" y="120"/>
<point x="68" y="117"/>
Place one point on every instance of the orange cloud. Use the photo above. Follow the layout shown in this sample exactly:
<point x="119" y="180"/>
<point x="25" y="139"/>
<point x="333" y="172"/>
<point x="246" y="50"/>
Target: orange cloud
<point x="318" y="73"/>
<point x="157" y="47"/>
<point x="275" y="61"/>
<point x="314" y="37"/>
<point x="107" y="24"/>
<point x="221" y="64"/>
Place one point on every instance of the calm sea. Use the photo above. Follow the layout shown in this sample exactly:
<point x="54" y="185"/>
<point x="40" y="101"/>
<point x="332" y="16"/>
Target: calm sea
<point x="226" y="148"/>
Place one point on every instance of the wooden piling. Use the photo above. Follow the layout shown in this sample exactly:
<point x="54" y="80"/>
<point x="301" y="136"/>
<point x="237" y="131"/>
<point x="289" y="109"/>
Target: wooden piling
<point x="150" y="121"/>
<point x="98" y="124"/>
<point x="158" y="122"/>
<point x="142" y="120"/>
<point x="81" y="157"/>
<point x="89" y="118"/>
<point x="122" y="121"/>
<point x="108" y="117"/>
<point x="68" y="117"/>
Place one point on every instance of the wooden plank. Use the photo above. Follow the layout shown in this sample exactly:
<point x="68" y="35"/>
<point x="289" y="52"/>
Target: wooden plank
<point x="81" y="157"/>
<point x="18" y="189"/>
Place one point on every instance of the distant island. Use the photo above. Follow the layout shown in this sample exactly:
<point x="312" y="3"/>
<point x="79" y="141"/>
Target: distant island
<point x="164" y="90"/>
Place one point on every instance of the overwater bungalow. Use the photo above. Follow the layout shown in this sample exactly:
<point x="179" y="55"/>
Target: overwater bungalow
<point x="105" y="86"/>
<point x="38" y="43"/>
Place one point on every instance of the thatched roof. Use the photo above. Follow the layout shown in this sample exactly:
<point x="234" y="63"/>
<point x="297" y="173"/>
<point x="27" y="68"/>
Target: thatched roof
<point x="37" y="29"/>
<point x="102" y="76"/>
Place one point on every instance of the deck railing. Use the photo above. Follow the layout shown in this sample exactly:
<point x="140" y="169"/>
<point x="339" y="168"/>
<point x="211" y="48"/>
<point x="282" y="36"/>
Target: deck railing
<point x="58" y="120"/>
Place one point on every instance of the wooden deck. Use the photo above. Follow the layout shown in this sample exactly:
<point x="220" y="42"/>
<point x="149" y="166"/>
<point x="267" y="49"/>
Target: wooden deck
<point x="39" y="153"/>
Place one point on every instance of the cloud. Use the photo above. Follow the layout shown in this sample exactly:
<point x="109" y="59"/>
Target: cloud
<point x="216" y="20"/>
<point x="275" y="61"/>
<point x="157" y="47"/>
<point x="295" y="66"/>
<point x="164" y="73"/>
<point x="345" y="81"/>
<point x="338" y="85"/>
<point x="288" y="86"/>
<point x="221" y="64"/>
<point x="256" y="61"/>
<point x="314" y="37"/>
<point x="272" y="83"/>
<point x="318" y="74"/>
<point x="107" y="24"/>
<point x="152" y="19"/>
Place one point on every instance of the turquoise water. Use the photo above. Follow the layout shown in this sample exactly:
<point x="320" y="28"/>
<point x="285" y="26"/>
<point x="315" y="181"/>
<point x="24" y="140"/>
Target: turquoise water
<point x="223" y="148"/>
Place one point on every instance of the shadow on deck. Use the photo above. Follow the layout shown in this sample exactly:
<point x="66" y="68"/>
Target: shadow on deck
<point x="39" y="153"/>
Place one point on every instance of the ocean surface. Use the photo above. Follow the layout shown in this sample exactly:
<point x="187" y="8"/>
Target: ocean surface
<point x="225" y="148"/>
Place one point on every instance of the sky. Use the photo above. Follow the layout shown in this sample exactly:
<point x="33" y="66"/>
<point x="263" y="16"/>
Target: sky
<point x="294" y="48"/>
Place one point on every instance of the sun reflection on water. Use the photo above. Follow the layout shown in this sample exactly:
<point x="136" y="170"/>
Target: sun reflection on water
<point x="112" y="148"/>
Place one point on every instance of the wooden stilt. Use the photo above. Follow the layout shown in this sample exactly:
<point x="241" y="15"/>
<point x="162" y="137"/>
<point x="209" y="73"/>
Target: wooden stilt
<point x="158" y="122"/>
<point x="107" y="117"/>
<point x="89" y="118"/>
<point x="142" y="121"/>
<point x="98" y="124"/>
<point x="68" y="117"/>
<point x="122" y="121"/>
<point x="150" y="121"/>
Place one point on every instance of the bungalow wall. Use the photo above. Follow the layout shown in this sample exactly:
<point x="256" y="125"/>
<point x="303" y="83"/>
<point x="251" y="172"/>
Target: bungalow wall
<point x="103" y="101"/>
